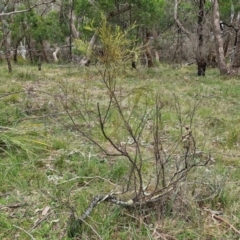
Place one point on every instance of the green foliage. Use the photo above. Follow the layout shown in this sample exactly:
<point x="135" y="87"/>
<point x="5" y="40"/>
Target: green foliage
<point x="151" y="13"/>
<point x="115" y="44"/>
<point x="80" y="47"/>
<point x="227" y="8"/>
<point x="31" y="24"/>
<point x="118" y="47"/>
<point x="46" y="28"/>
<point x="86" y="9"/>
<point x="186" y="6"/>
<point x="154" y="13"/>
<point x="233" y="138"/>
<point x="54" y="31"/>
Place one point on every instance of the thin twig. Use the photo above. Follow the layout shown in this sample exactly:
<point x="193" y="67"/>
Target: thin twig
<point x="49" y="195"/>
<point x="39" y="221"/>
<point x="215" y="214"/>
<point x="225" y="221"/>
<point x="2" y="14"/>
<point x="75" y="178"/>
<point x="30" y="235"/>
<point x="93" y="229"/>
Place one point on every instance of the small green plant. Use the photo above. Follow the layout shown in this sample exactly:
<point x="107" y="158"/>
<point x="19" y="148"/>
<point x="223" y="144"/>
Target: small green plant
<point x="13" y="140"/>
<point x="13" y="98"/>
<point x="116" y="45"/>
<point x="26" y="75"/>
<point x="80" y="47"/>
<point x="233" y="138"/>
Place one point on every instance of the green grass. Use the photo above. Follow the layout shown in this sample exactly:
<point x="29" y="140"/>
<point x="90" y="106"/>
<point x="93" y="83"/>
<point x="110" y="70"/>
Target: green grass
<point x="45" y="161"/>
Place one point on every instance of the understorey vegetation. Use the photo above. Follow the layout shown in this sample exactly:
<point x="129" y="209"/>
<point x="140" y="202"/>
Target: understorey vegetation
<point x="112" y="152"/>
<point x="119" y="119"/>
<point x="127" y="124"/>
<point x="156" y="156"/>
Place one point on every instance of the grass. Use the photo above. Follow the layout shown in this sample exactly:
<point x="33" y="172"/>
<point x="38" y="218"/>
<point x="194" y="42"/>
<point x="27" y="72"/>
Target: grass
<point x="44" y="162"/>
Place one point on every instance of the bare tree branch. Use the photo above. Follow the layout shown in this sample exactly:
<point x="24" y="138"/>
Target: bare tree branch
<point x="178" y="21"/>
<point x="3" y="14"/>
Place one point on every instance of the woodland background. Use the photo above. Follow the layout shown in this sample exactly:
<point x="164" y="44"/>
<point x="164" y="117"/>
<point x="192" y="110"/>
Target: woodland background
<point x="176" y="31"/>
<point x="110" y="127"/>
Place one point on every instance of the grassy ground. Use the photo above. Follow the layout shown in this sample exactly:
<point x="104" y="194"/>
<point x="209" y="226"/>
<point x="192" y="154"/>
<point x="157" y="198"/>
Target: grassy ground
<point x="47" y="169"/>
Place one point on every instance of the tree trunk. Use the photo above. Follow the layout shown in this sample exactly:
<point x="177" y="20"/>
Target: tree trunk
<point x="44" y="52"/>
<point x="201" y="62"/>
<point x="55" y="54"/>
<point x="86" y="60"/>
<point x="185" y="31"/>
<point x="29" y="49"/>
<point x="39" y="63"/>
<point x="200" y="27"/>
<point x="15" y="52"/>
<point x="8" y="53"/>
<point x="1" y="42"/>
<point x="218" y="40"/>
<point x="157" y="57"/>
<point x="71" y="32"/>
<point x="6" y="44"/>
<point x="226" y="43"/>
<point x="148" y="51"/>
<point x="236" y="58"/>
<point x="156" y="52"/>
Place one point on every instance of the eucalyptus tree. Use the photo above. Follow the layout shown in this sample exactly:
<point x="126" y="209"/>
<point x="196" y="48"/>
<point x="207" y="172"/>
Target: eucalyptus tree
<point x="68" y="21"/>
<point x="230" y="16"/>
<point x="192" y="20"/>
<point x="7" y="10"/>
<point x="236" y="57"/>
<point x="45" y="28"/>
<point x="205" y="16"/>
<point x="228" y="12"/>
<point x="218" y="39"/>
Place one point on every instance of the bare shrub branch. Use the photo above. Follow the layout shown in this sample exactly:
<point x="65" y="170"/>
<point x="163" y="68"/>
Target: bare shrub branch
<point x="121" y="121"/>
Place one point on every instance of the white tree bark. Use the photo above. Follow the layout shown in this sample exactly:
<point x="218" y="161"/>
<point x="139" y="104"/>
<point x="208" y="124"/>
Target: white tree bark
<point x="184" y="30"/>
<point x="86" y="59"/>
<point x="55" y="54"/>
<point x="223" y="68"/>
<point x="23" y="51"/>
<point x="156" y="52"/>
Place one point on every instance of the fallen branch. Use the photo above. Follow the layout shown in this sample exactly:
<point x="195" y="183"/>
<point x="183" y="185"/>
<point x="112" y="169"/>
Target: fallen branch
<point x="93" y="230"/>
<point x="100" y="198"/>
<point x="190" y="63"/>
<point x="75" y="223"/>
<point x="225" y="221"/>
<point x="215" y="215"/>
